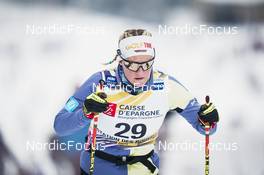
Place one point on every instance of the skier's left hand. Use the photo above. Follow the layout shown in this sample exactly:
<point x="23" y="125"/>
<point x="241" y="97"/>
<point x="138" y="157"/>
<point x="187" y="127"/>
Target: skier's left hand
<point x="208" y="114"/>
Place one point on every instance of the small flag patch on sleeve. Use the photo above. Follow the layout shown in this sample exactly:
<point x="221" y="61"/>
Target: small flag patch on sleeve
<point x="71" y="104"/>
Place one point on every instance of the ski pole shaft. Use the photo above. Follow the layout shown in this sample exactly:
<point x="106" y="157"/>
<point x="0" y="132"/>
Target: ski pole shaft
<point x="93" y="145"/>
<point x="94" y="132"/>
<point x="207" y="128"/>
<point x="207" y="132"/>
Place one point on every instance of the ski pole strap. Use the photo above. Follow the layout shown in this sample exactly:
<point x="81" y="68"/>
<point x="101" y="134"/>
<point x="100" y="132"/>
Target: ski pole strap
<point x="124" y="160"/>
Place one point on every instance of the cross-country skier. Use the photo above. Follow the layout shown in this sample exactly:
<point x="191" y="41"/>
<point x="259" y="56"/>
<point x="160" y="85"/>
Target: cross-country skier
<point x="137" y="100"/>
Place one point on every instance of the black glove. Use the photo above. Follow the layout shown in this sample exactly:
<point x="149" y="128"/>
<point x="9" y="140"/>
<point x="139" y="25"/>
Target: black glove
<point x="95" y="103"/>
<point x="208" y="114"/>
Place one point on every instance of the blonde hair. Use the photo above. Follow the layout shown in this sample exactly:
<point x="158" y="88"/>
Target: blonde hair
<point x="130" y="33"/>
<point x="134" y="32"/>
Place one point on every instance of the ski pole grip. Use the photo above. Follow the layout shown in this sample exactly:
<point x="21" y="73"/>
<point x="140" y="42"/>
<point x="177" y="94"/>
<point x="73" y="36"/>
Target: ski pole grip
<point x="207" y="125"/>
<point x="207" y="99"/>
<point x="102" y="95"/>
<point x="101" y="92"/>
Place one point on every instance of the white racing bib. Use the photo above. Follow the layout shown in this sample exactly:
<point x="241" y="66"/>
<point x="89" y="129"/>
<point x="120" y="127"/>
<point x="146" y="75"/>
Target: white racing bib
<point x="134" y="118"/>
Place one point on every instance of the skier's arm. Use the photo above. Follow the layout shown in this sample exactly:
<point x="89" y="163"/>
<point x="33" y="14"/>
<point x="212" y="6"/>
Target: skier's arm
<point x="181" y="100"/>
<point x="71" y="117"/>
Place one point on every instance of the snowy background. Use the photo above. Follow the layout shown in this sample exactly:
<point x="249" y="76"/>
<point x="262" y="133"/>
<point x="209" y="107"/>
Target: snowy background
<point x="39" y="71"/>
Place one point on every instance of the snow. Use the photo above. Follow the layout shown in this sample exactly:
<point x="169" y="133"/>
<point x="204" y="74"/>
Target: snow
<point x="39" y="73"/>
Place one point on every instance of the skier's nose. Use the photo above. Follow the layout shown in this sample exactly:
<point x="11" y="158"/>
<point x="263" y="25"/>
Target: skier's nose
<point x="140" y="70"/>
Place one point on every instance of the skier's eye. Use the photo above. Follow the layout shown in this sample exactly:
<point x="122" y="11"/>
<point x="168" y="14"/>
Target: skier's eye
<point x="147" y="65"/>
<point x="126" y="63"/>
<point x="134" y="66"/>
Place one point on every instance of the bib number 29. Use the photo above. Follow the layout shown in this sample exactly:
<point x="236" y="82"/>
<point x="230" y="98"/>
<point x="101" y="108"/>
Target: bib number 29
<point x="138" y="130"/>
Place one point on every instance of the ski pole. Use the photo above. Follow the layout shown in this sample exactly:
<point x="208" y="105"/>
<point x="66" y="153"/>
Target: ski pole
<point x="95" y="122"/>
<point x="207" y="132"/>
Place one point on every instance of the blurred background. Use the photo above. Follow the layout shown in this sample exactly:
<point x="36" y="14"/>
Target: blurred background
<point x="49" y="47"/>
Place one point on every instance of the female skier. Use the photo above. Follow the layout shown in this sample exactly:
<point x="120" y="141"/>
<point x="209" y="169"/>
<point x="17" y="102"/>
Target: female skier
<point x="131" y="110"/>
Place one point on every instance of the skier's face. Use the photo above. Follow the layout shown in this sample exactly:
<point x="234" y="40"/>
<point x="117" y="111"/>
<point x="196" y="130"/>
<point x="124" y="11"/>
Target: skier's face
<point x="140" y="77"/>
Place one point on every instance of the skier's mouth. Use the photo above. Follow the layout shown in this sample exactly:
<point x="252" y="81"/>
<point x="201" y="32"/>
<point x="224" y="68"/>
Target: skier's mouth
<point x="140" y="78"/>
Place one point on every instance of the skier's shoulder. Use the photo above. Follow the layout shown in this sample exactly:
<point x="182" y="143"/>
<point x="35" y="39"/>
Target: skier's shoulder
<point x="101" y="75"/>
<point x="158" y="74"/>
<point x="179" y="95"/>
<point x="89" y="84"/>
<point x="93" y="78"/>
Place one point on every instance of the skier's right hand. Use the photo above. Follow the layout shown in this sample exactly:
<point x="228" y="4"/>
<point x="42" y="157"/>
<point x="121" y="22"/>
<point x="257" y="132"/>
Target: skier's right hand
<point x="95" y="103"/>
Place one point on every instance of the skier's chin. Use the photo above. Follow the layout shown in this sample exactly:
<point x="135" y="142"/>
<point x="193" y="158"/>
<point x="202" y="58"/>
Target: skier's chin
<point x="139" y="83"/>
